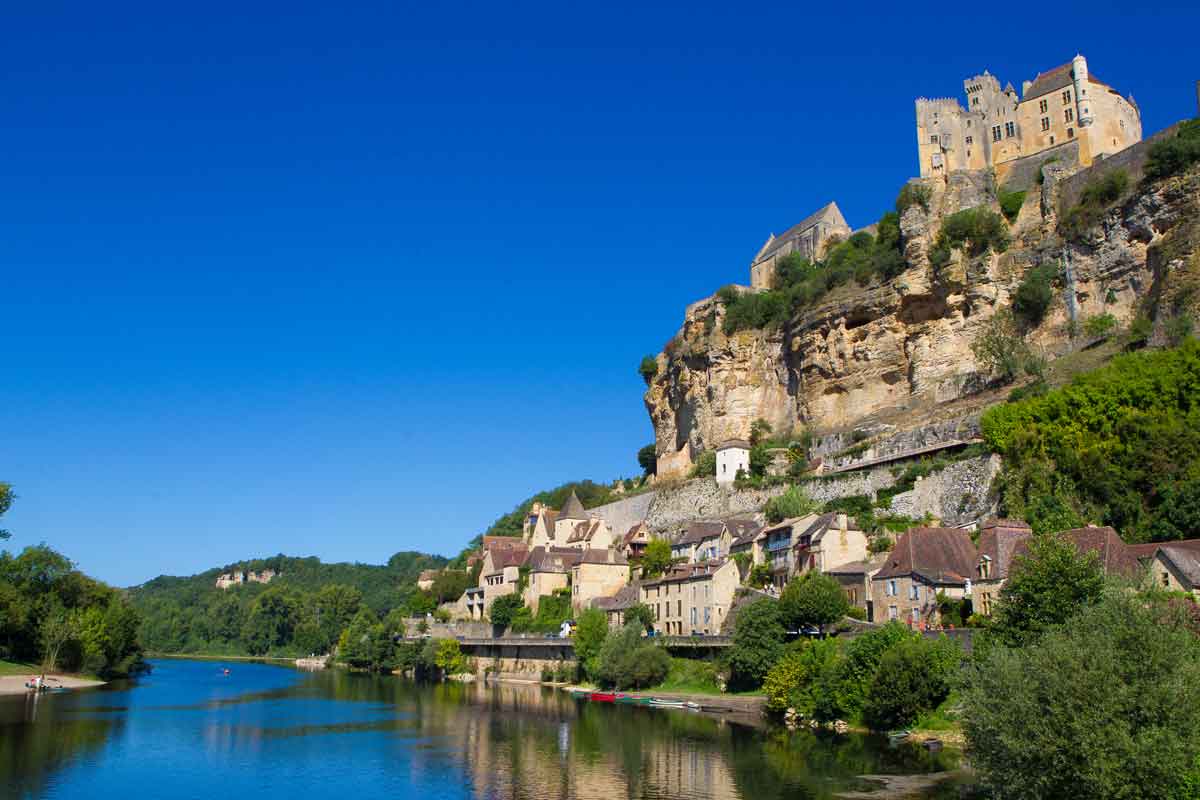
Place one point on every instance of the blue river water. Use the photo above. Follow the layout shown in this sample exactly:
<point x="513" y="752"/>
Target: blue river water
<point x="187" y="730"/>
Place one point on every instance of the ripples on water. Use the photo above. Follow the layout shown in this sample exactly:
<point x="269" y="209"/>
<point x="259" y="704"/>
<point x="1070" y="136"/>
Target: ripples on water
<point x="187" y="731"/>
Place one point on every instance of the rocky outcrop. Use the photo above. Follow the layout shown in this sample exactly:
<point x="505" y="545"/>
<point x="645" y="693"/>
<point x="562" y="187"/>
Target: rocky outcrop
<point x="877" y="357"/>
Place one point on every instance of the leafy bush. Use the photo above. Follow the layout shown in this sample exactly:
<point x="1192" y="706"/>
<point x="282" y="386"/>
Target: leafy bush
<point x="640" y="614"/>
<point x="1139" y="333"/>
<point x="760" y="576"/>
<point x="449" y="657"/>
<point x="976" y="230"/>
<point x="843" y="693"/>
<point x="812" y="599"/>
<point x="1034" y="294"/>
<point x="1172" y="156"/>
<point x="792" y="503"/>
<point x="648" y="368"/>
<point x="627" y="660"/>
<point x="1044" y="589"/>
<point x="656" y="559"/>
<point x="794" y="681"/>
<point x="706" y="465"/>
<point x="504" y="608"/>
<point x="912" y="194"/>
<point x="913" y="677"/>
<point x="648" y="459"/>
<point x="1094" y="201"/>
<point x="757" y="643"/>
<point x="800" y="282"/>
<point x="1106" y="447"/>
<point x="1010" y="204"/>
<point x="1179" y="328"/>
<point x="1000" y="348"/>
<point x="1100" y="326"/>
<point x="591" y="628"/>
<point x="1105" y="707"/>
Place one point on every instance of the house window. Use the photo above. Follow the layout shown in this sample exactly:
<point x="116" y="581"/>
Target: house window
<point x="970" y="141"/>
<point x="693" y="617"/>
<point x="1069" y="113"/>
<point x="1051" y="140"/>
<point x="1166" y="580"/>
<point x="1070" y="133"/>
<point x="1010" y="129"/>
<point x="985" y="567"/>
<point x="985" y="603"/>
<point x="1067" y="98"/>
<point x="914" y="592"/>
<point x="707" y="614"/>
<point x="1043" y="106"/>
<point x="995" y="133"/>
<point x="891" y="589"/>
<point x="1045" y="123"/>
<point x="893" y="612"/>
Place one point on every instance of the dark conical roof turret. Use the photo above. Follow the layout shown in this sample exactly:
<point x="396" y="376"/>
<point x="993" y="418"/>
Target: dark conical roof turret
<point x="572" y="509"/>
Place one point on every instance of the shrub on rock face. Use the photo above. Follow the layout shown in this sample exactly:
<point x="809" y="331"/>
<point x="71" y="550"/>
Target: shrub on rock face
<point x="1172" y="156"/>
<point x="1034" y="294"/>
<point x="974" y="230"/>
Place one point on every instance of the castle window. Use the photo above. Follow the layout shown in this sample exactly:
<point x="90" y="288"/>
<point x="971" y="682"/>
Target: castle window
<point x="1069" y="113"/>
<point x="933" y="140"/>
<point x="974" y="101"/>
<point x="1010" y="129"/>
<point x="1067" y="97"/>
<point x="995" y="133"/>
<point x="1043" y="106"/>
<point x="1051" y="140"/>
<point x="970" y="140"/>
<point x="1045" y="123"/>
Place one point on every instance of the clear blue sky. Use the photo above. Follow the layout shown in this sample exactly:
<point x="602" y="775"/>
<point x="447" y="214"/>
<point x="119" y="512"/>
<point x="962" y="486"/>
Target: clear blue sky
<point x="347" y="279"/>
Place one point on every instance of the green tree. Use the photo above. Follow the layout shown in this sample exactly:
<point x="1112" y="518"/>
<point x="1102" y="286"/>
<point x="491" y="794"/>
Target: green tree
<point x="843" y="692"/>
<point x="333" y="607"/>
<point x="6" y="501"/>
<point x="1034" y="294"/>
<point x="706" y="465"/>
<point x="449" y="585"/>
<point x="627" y="660"/>
<point x="757" y="642"/>
<point x="640" y="614"/>
<point x="55" y="632"/>
<point x="913" y="677"/>
<point x="648" y="368"/>
<point x="760" y="431"/>
<point x="504" y="608"/>
<point x="648" y="459"/>
<point x="792" y="503"/>
<point x="656" y="559"/>
<point x="1100" y="326"/>
<point x="1000" y="349"/>
<point x="813" y="599"/>
<point x="448" y="657"/>
<point x="1044" y="589"/>
<point x="591" y="628"/>
<point x="794" y="681"/>
<point x="1105" y="707"/>
<point x="270" y="621"/>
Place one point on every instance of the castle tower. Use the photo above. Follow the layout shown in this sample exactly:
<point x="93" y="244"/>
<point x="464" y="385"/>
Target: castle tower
<point x="1083" y="103"/>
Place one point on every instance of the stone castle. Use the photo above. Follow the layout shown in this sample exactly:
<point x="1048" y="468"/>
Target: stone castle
<point x="1064" y="107"/>
<point x="238" y="577"/>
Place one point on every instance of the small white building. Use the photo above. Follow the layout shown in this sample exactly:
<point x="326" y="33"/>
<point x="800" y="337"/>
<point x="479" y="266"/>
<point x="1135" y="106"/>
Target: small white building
<point x="732" y="455"/>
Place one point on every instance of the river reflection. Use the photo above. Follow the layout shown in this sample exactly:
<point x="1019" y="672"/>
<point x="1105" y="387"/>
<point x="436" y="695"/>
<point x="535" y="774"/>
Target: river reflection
<point x="188" y="731"/>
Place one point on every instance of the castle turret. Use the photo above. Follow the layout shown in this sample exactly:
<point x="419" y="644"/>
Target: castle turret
<point x="1083" y="103"/>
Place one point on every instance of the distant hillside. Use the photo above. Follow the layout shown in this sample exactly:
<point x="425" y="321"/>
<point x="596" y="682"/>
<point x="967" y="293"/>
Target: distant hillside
<point x="303" y="606"/>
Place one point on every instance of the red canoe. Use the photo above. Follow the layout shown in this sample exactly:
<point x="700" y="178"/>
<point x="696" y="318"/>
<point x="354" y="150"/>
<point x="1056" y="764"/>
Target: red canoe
<point x="603" y="697"/>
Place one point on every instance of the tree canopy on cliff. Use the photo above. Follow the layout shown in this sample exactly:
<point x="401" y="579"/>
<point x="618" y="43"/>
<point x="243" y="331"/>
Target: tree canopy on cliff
<point x="1119" y="446"/>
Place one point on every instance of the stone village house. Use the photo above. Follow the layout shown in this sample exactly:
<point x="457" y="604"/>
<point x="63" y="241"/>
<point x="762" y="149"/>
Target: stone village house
<point x="597" y="573"/>
<point x="692" y="598"/>
<point x="814" y="542"/>
<point x="924" y="562"/>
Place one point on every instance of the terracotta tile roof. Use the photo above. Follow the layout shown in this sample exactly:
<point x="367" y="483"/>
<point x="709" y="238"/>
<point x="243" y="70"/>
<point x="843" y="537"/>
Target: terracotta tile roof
<point x="728" y="443"/>
<point x="502" y="542"/>
<point x="699" y="531"/>
<point x="584" y="531"/>
<point x="627" y="597"/>
<point x="1186" y="560"/>
<point x="939" y="555"/>
<point x="596" y="556"/>
<point x="1115" y="557"/>
<point x="999" y="540"/>
<point x="687" y="572"/>
<point x="553" y="559"/>
<point x="743" y="531"/>
<point x="638" y="531"/>
<point x="1051" y="80"/>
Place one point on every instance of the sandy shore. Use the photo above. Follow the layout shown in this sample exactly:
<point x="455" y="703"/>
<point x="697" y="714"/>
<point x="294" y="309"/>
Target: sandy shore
<point x="15" y="684"/>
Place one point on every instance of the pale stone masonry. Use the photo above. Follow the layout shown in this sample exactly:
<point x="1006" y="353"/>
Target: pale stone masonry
<point x="809" y="238"/>
<point x="1061" y="106"/>
<point x="692" y="598"/>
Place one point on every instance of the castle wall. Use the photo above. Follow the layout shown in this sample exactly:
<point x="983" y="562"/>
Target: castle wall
<point x="1132" y="159"/>
<point x="1022" y="174"/>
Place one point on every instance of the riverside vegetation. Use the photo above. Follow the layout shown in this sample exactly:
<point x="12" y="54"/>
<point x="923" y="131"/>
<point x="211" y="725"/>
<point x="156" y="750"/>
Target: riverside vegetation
<point x="53" y="617"/>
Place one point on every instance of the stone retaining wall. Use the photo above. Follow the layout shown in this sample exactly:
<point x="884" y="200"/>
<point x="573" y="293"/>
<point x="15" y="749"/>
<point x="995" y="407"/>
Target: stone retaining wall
<point x="957" y="495"/>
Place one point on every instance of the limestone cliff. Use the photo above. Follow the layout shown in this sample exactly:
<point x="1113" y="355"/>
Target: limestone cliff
<point x="893" y="353"/>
